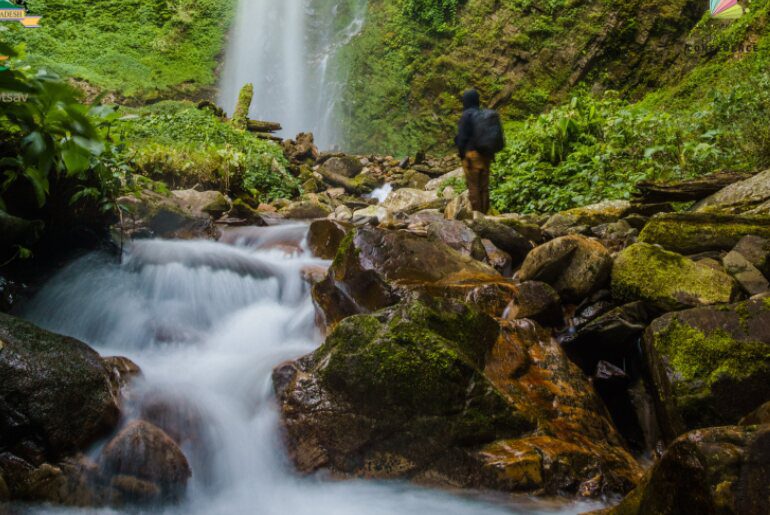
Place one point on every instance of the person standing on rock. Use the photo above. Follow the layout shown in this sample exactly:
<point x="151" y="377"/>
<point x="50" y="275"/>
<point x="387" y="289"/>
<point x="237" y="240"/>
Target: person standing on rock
<point x="479" y="138"/>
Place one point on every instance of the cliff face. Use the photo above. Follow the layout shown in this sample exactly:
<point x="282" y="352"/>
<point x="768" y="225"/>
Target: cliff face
<point x="407" y="71"/>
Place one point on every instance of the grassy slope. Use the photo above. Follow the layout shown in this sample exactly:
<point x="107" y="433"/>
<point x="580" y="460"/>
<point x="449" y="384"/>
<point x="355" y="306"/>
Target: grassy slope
<point x="140" y="50"/>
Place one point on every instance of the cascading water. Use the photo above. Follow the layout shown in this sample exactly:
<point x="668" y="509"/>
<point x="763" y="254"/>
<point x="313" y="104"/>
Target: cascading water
<point x="288" y="49"/>
<point x="207" y="322"/>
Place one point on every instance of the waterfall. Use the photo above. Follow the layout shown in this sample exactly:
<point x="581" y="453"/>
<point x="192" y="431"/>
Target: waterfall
<point x="288" y="49"/>
<point x="207" y="322"/>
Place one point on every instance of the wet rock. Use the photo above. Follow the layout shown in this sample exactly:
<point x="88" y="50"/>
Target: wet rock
<point x="459" y="208"/>
<point x="751" y="196"/>
<point x="347" y="166"/>
<point x="17" y="231"/>
<point x="176" y="216"/>
<point x="574" y="265"/>
<point x="575" y="220"/>
<point x="747" y="275"/>
<point x="375" y="267"/>
<point x="709" y="366"/>
<point x="458" y="236"/>
<point x="56" y="394"/>
<point x="305" y="210"/>
<point x="324" y="237"/>
<point x="123" y="370"/>
<point x="613" y="385"/>
<point x="759" y="416"/>
<point x="757" y="251"/>
<point x="715" y="470"/>
<point x="536" y="301"/>
<point x="503" y="236"/>
<point x="522" y="224"/>
<point x="610" y="336"/>
<point x="436" y="393"/>
<point x="131" y="489"/>
<point x="409" y="200"/>
<point x="196" y="202"/>
<point x="67" y="483"/>
<point x="668" y="281"/>
<point x="144" y="451"/>
<point x="242" y="211"/>
<point x="690" y="233"/>
<point x="499" y="259"/>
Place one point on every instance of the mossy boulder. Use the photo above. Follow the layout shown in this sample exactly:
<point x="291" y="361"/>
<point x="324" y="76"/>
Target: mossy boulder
<point x="709" y="366"/>
<point x="668" y="281"/>
<point x="178" y="215"/>
<point x="690" y="233"/>
<point x="720" y="470"/>
<point x="581" y="218"/>
<point x="751" y="196"/>
<point x="305" y="210"/>
<point x="56" y="394"/>
<point x="575" y="266"/>
<point x="425" y="391"/>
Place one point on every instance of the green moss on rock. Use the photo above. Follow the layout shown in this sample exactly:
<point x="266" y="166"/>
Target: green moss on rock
<point x="667" y="280"/>
<point x="690" y="233"/>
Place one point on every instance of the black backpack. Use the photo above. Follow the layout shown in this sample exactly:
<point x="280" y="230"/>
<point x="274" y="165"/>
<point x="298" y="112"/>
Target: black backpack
<point x="488" y="137"/>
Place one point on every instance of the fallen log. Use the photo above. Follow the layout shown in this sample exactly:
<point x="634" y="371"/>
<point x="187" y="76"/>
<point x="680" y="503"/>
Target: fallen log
<point x="686" y="190"/>
<point x="262" y="126"/>
<point x="262" y="135"/>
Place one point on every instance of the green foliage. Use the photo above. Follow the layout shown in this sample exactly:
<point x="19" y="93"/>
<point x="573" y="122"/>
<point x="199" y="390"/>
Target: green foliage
<point x="437" y="15"/>
<point x="184" y="146"/>
<point x="594" y="149"/>
<point x="143" y="49"/>
<point x="52" y="139"/>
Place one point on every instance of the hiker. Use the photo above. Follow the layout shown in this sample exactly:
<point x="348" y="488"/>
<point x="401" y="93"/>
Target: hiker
<point x="479" y="138"/>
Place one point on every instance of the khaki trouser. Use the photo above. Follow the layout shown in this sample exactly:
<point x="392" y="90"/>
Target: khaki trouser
<point x="476" y="167"/>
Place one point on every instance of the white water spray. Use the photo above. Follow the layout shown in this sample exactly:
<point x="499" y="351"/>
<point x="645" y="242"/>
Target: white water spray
<point x="207" y="322"/>
<point x="288" y="49"/>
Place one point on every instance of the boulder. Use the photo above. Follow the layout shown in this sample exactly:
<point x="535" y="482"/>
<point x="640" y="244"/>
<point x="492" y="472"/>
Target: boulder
<point x="691" y="233"/>
<point x="371" y="213"/>
<point x="240" y="210"/>
<point x="56" y="394"/>
<point x="305" y="210"/>
<point x="409" y="200"/>
<point x="688" y="189"/>
<point x="347" y="166"/>
<point x="668" y="281"/>
<point x="577" y="220"/>
<point x="324" y="237"/>
<point x="757" y="251"/>
<point x="575" y="266"/>
<point x="198" y="203"/>
<point x="759" y="416"/>
<point x="751" y="196"/>
<point x="302" y="148"/>
<point x="499" y="259"/>
<point x="710" y="365"/>
<point x="747" y="275"/>
<point x="436" y="393"/>
<point x="375" y="268"/>
<point x="536" y="301"/>
<point x="459" y="208"/>
<point x="435" y="184"/>
<point x="612" y="337"/>
<point x="415" y="179"/>
<point x="504" y="237"/>
<point x="143" y="451"/>
<point x="716" y="470"/>
<point x="458" y="236"/>
<point x="178" y="215"/>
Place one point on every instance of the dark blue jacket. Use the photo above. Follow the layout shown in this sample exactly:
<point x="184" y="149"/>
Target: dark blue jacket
<point x="464" y="138"/>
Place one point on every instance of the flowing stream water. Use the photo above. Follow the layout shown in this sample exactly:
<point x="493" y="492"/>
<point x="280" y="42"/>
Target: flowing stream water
<point x="207" y="322"/>
<point x="288" y="50"/>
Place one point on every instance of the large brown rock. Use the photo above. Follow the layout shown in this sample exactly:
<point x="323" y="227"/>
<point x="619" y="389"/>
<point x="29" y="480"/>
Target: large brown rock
<point x="575" y="266"/>
<point x="709" y="366"/>
<point x="458" y="236"/>
<point x="375" y="268"/>
<point x="143" y="451"/>
<point x="178" y="215"/>
<point x="57" y="396"/>
<point x="437" y="393"/>
<point x="505" y="237"/>
<point x="324" y="237"/>
<point x="722" y="470"/>
<point x="748" y="196"/>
